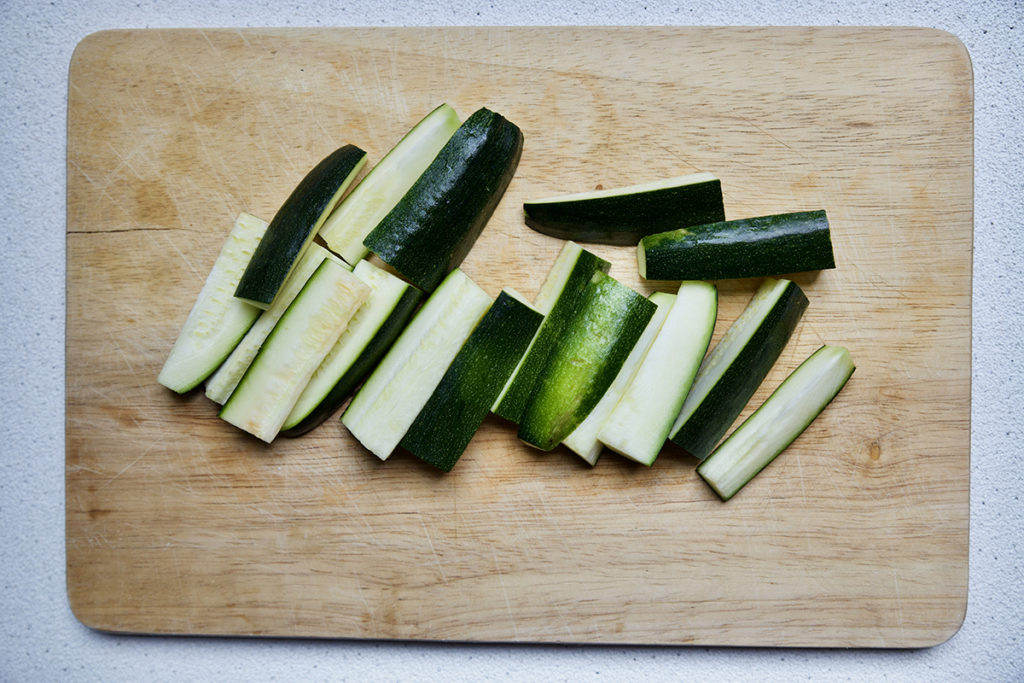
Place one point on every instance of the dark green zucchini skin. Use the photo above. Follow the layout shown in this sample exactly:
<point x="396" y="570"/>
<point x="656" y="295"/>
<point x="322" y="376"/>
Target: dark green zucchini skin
<point x="624" y="219"/>
<point x="589" y="354"/>
<point x="716" y="413"/>
<point x="295" y="223"/>
<point x="514" y="402"/>
<point x="362" y="366"/>
<point x="461" y="401"/>
<point x="435" y="224"/>
<point x="749" y="247"/>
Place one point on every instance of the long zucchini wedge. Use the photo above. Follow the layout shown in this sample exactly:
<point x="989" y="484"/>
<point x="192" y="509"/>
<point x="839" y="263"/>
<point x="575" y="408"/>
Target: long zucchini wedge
<point x="640" y="423"/>
<point x="293" y="351"/>
<point x="220" y="385"/>
<point x="558" y="299"/>
<point x="434" y="225"/>
<point x="625" y="215"/>
<point x="778" y="422"/>
<point x="296" y="223"/>
<point x="385" y="406"/>
<point x="750" y="247"/>
<point x="217" y="319"/>
<point x="386" y="183"/>
<point x="589" y="354"/>
<point x="734" y="369"/>
<point x="446" y="424"/>
<point x="584" y="439"/>
<point x="368" y="336"/>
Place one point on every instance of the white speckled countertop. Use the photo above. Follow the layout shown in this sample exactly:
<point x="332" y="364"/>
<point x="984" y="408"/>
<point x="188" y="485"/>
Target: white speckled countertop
<point x="42" y="639"/>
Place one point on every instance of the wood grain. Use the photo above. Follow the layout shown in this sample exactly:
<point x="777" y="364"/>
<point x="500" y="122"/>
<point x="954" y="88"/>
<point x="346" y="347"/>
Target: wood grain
<point x="856" y="536"/>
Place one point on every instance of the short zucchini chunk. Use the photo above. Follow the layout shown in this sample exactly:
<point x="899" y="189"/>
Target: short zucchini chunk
<point x="584" y="439"/>
<point x="750" y="247"/>
<point x="737" y="365"/>
<point x="642" y="418"/>
<point x="296" y="223"/>
<point x="217" y="319"/>
<point x="367" y="337"/>
<point x="595" y="343"/>
<point x="558" y="299"/>
<point x="446" y="424"/>
<point x="394" y="394"/>
<point x="220" y="385"/>
<point x="295" y="348"/>
<point x="778" y="422"/>
<point x="625" y="215"/>
<point x="386" y="183"/>
<point x="435" y="224"/>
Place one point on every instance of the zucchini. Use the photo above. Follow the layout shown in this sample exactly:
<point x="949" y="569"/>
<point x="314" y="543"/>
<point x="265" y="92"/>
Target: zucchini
<point x="462" y="399"/>
<point x="368" y="336"/>
<point x="435" y="224"/>
<point x="296" y="223"/>
<point x="217" y="320"/>
<point x="595" y="342"/>
<point x="778" y="422"/>
<point x="559" y="297"/>
<point x="386" y="183"/>
<point x="625" y="215"/>
<point x="584" y="439"/>
<point x="385" y="406"/>
<point x="750" y="247"/>
<point x="640" y="423"/>
<point x="220" y="385"/>
<point x="734" y="369"/>
<point x="294" y="350"/>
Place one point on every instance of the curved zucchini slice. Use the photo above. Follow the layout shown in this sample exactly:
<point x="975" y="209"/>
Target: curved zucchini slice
<point x="368" y="336"/>
<point x="217" y="319"/>
<point x="220" y="385"/>
<point x="778" y="422"/>
<point x="295" y="348"/>
<point x="435" y="224"/>
<point x="584" y="439"/>
<point x="599" y="336"/>
<point x="625" y="215"/>
<point x="735" y="368"/>
<point x="640" y="423"/>
<point x="386" y="183"/>
<point x="558" y="299"/>
<point x="385" y="406"/>
<point x="462" y="399"/>
<point x="750" y="247"/>
<point x="296" y="223"/>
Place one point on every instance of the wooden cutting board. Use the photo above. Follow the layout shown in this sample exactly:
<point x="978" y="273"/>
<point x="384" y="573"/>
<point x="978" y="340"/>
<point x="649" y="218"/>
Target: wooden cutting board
<point x="856" y="536"/>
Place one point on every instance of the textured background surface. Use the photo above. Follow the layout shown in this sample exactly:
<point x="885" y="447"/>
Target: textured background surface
<point x="42" y="640"/>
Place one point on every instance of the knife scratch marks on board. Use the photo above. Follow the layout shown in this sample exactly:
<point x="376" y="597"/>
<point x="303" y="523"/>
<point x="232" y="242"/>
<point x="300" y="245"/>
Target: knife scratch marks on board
<point x="898" y="602"/>
<point x="437" y="556"/>
<point x="184" y="258"/>
<point x="125" y="468"/>
<point x="504" y="594"/>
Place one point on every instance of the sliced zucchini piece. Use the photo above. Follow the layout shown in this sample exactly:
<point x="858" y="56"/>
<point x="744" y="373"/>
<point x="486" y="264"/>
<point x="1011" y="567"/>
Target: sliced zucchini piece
<point x="435" y="224"/>
<point x="220" y="385"/>
<point x="385" y="406"/>
<point x="295" y="348"/>
<point x="750" y="247"/>
<point x="217" y="319"/>
<point x="625" y="215"/>
<point x="296" y="223"/>
<point x="386" y="183"/>
<point x="734" y="369"/>
<point x="778" y="422"/>
<point x="640" y="423"/>
<point x="558" y="299"/>
<point x="368" y="336"/>
<point x="584" y="439"/>
<point x="462" y="399"/>
<point x="595" y="342"/>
